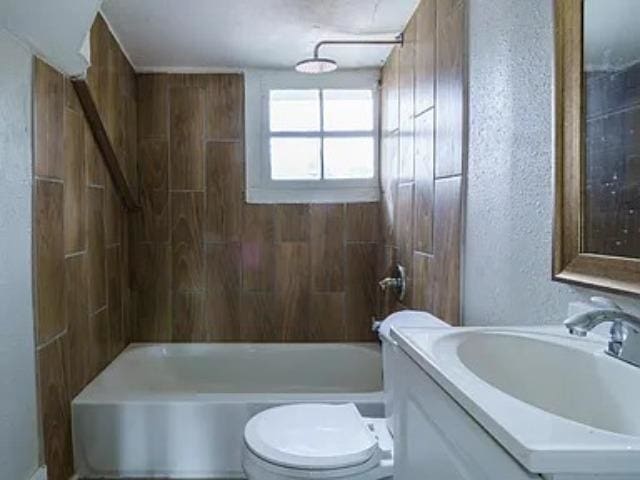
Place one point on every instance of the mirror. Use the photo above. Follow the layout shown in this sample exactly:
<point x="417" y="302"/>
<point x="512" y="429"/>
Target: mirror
<point x="597" y="224"/>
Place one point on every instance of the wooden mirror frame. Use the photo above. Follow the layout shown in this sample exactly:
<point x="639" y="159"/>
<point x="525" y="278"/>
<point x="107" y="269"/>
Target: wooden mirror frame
<point x="570" y="263"/>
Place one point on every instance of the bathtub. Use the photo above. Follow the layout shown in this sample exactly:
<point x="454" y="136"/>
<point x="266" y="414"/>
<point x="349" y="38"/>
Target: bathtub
<point x="179" y="410"/>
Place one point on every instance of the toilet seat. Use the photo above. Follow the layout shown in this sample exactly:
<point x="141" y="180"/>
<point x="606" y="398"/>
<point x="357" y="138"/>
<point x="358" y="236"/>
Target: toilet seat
<point x="311" y="436"/>
<point x="312" y="441"/>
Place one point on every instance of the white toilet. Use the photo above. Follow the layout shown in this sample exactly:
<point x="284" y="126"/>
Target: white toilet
<point x="322" y="441"/>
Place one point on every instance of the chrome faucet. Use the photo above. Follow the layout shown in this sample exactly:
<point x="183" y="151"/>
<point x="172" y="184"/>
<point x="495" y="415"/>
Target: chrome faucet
<point x="624" y="335"/>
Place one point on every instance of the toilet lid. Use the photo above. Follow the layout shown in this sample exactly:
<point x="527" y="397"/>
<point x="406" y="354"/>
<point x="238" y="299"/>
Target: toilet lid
<point x="311" y="436"/>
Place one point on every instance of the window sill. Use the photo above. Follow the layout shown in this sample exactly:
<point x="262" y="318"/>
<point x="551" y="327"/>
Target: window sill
<point x="320" y="195"/>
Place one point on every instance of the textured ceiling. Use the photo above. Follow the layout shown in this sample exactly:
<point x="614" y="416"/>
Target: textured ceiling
<point x="174" y="34"/>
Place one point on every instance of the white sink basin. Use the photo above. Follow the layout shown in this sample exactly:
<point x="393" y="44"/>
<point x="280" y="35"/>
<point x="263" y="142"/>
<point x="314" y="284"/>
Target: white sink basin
<point x="557" y="403"/>
<point x="579" y="385"/>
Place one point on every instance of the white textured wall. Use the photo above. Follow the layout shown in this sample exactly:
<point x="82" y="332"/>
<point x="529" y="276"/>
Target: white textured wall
<point x="507" y="257"/>
<point x="18" y="412"/>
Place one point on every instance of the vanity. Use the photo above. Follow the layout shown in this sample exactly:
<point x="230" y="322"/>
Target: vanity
<point x="513" y="403"/>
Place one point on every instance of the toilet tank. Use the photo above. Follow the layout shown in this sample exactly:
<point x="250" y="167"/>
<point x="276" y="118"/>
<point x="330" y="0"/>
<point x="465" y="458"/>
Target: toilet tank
<point x="391" y="350"/>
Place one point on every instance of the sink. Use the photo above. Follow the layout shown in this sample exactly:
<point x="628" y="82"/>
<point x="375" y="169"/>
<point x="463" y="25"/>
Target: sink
<point x="557" y="403"/>
<point x="560" y="379"/>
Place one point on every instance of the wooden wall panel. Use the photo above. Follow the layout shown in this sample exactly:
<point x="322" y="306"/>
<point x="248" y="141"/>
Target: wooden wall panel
<point x="407" y="102"/>
<point x="186" y="147"/>
<point x="48" y="113"/>
<point x="186" y="241"/>
<point x="423" y="194"/>
<point x="55" y="406"/>
<point x="422" y="184"/>
<point x="225" y="107"/>
<point x="450" y="87"/>
<point x="225" y="187"/>
<point x="80" y="263"/>
<point x="259" y="237"/>
<point x="49" y="259"/>
<point x="425" y="56"/>
<point x="74" y="176"/>
<point x="327" y="247"/>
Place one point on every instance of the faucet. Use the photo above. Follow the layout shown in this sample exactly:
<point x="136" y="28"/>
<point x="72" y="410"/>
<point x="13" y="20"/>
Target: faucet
<point x="624" y="335"/>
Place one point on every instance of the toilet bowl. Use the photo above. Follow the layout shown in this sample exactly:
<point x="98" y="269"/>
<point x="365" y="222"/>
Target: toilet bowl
<point x="317" y="441"/>
<point x="321" y="441"/>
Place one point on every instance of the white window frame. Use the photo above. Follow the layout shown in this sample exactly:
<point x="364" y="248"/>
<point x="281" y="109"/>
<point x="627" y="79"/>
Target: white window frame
<point x="261" y="188"/>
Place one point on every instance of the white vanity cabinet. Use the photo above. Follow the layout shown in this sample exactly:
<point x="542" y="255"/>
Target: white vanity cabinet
<point x="435" y="439"/>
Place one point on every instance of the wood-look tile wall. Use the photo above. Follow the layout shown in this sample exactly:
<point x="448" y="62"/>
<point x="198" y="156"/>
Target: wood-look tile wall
<point x="81" y="258"/>
<point x="208" y="266"/>
<point x="422" y="167"/>
<point x="112" y="83"/>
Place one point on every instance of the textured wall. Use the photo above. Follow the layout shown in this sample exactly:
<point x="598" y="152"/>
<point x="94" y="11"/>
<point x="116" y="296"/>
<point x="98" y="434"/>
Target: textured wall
<point x="208" y="266"/>
<point x="507" y="254"/>
<point x="18" y="411"/>
<point x="81" y="258"/>
<point x="422" y="158"/>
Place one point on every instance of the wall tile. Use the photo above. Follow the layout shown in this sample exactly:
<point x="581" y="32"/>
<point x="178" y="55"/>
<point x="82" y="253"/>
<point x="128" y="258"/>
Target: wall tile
<point x="186" y="241"/>
<point x="49" y="259"/>
<point x="225" y="186"/>
<point x="113" y="216"/>
<point x="421" y="276"/>
<point x="153" y="159"/>
<point x="77" y="310"/>
<point x="328" y="247"/>
<point x="151" y="279"/>
<point x="48" y="98"/>
<point x="327" y="322"/>
<point x="404" y="224"/>
<point x="449" y="87"/>
<point x="100" y="338"/>
<point x="361" y="290"/>
<point x="188" y="317"/>
<point x="292" y="223"/>
<point x="391" y="92"/>
<point x="257" y="248"/>
<point x="225" y="107"/>
<point x="224" y="287"/>
<point x="259" y="319"/>
<point x="423" y="194"/>
<point x="151" y="224"/>
<point x="74" y="182"/>
<point x="186" y="143"/>
<point x="96" y="249"/>
<point x="53" y="363"/>
<point x="363" y="222"/>
<point x="114" y="295"/>
<point x="94" y="163"/>
<point x="407" y="99"/>
<point x="292" y="289"/>
<point x="446" y="271"/>
<point x="71" y="100"/>
<point x="425" y="55"/>
<point x="153" y="106"/>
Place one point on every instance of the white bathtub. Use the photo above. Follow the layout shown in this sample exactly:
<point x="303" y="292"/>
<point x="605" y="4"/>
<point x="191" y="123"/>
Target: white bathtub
<point x="179" y="410"/>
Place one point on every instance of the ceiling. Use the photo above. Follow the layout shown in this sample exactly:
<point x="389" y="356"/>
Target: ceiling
<point x="236" y="34"/>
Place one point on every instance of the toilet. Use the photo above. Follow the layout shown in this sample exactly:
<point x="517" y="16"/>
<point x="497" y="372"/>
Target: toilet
<point x="326" y="441"/>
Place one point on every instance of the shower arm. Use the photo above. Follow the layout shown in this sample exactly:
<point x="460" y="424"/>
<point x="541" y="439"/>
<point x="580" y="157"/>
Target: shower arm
<point x="399" y="40"/>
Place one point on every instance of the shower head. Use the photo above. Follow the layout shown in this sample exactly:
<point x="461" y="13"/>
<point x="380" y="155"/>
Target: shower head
<point x="318" y="64"/>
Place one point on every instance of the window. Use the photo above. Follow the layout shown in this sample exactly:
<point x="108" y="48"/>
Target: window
<point x="317" y="139"/>
<point x="321" y="134"/>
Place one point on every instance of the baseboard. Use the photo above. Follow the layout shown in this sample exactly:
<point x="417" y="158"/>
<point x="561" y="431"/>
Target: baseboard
<point x="41" y="474"/>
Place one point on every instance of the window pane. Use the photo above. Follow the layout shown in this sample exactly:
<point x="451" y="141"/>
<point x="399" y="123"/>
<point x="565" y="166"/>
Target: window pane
<point x="295" y="158"/>
<point x="348" y="110"/>
<point x="348" y="157"/>
<point x="294" y="110"/>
